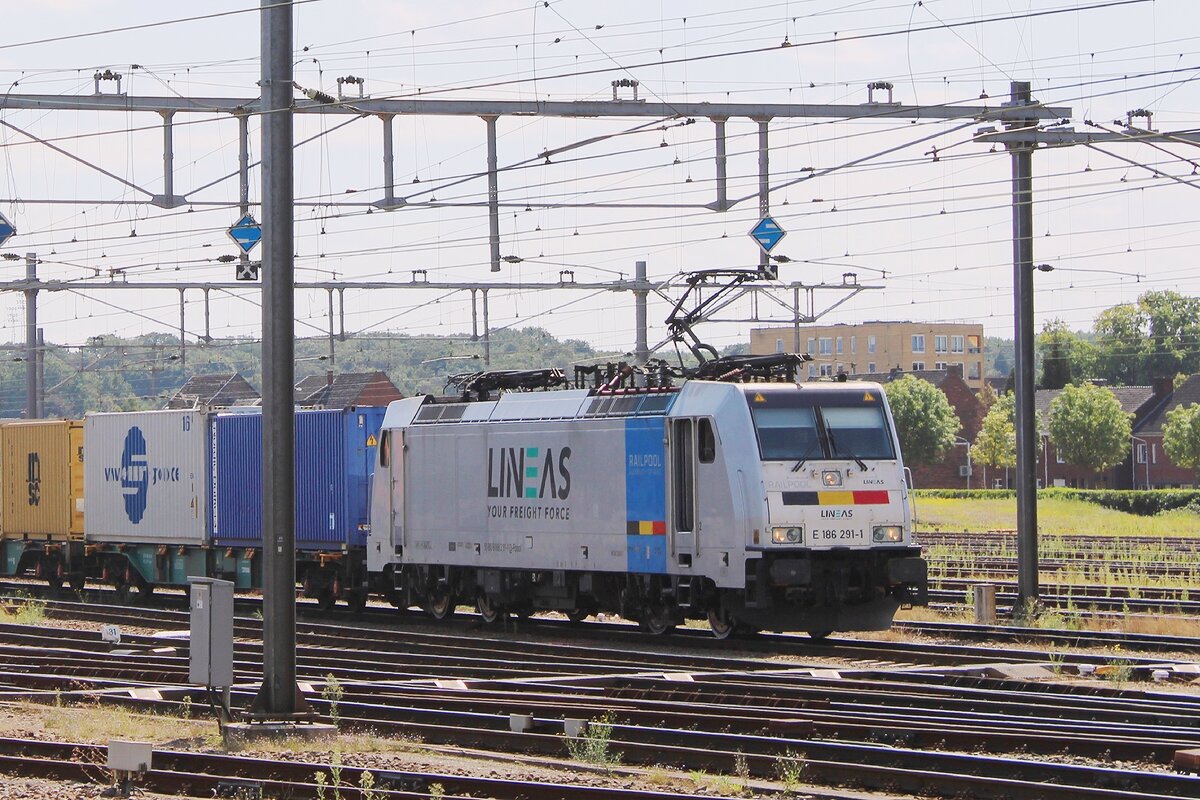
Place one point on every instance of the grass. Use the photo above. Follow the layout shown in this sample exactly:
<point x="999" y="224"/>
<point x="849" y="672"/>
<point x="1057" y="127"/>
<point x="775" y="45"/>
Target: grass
<point x="98" y="724"/>
<point x="1056" y="516"/>
<point x="24" y="611"/>
<point x="95" y="724"/>
<point x="593" y="747"/>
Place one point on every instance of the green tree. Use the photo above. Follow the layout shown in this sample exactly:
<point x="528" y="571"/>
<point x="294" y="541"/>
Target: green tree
<point x="925" y="421"/>
<point x="1156" y="337"/>
<point x="1055" y="347"/>
<point x="987" y="397"/>
<point x="1121" y="344"/>
<point x="1181" y="435"/>
<point x="1173" y="325"/>
<point x="1066" y="356"/>
<point x="996" y="444"/>
<point x="1089" y="427"/>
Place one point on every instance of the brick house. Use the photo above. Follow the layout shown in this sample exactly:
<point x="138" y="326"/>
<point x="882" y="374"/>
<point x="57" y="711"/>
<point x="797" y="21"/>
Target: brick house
<point x="954" y="471"/>
<point x="346" y="390"/>
<point x="214" y="391"/>
<point x="1149" y="466"/>
<point x="1142" y="401"/>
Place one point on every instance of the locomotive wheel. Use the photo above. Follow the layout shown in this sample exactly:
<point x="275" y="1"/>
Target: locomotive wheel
<point x="656" y="619"/>
<point x="439" y="604"/>
<point x="722" y="625"/>
<point x="819" y="636"/>
<point x="489" y="611"/>
<point x="76" y="581"/>
<point x="577" y="615"/>
<point x="55" y="581"/>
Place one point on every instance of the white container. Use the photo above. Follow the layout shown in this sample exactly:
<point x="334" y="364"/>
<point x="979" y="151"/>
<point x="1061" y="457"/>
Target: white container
<point x="147" y="477"/>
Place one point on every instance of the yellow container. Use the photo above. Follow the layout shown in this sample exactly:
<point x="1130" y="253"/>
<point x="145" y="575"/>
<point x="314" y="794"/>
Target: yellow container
<point x="42" y="482"/>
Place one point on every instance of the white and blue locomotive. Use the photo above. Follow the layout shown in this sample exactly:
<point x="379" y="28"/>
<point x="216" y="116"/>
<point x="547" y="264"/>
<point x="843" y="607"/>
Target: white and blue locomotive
<point x="764" y="506"/>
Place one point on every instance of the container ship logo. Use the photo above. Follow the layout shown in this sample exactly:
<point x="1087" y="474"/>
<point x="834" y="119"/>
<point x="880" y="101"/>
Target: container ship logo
<point x="133" y="474"/>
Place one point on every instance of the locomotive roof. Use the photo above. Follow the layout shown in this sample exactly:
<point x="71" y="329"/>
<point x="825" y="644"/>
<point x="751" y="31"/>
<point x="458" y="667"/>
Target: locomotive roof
<point x="565" y="404"/>
<point x="841" y="393"/>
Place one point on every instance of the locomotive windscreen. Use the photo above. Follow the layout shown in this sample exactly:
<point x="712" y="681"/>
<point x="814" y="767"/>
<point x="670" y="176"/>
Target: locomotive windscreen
<point x="828" y="428"/>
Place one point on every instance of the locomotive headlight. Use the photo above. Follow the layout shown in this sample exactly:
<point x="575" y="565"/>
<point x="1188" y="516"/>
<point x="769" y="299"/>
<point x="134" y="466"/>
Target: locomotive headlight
<point x="888" y="533"/>
<point x="831" y="477"/>
<point x="787" y="535"/>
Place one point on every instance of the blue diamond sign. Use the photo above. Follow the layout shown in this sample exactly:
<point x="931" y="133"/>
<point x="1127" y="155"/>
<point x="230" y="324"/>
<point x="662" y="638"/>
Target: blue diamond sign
<point x="767" y="233"/>
<point x="6" y="229"/>
<point x="246" y="233"/>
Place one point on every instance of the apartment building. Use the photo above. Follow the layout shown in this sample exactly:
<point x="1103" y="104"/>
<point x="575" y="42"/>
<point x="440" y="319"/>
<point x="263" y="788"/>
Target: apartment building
<point x="879" y="347"/>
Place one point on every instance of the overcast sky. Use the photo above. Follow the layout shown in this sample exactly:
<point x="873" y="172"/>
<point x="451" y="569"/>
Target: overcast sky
<point x="933" y="230"/>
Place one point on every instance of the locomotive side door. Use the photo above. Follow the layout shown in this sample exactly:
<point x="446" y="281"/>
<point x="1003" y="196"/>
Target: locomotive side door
<point x="684" y="526"/>
<point x="382" y="540"/>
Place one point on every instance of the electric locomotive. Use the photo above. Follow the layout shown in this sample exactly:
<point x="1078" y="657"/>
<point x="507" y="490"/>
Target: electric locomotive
<point x="754" y="504"/>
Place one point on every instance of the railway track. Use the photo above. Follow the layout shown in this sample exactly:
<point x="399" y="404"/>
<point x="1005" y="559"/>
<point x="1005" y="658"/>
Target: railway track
<point x="584" y="637"/>
<point x="213" y="775"/>
<point x="931" y="728"/>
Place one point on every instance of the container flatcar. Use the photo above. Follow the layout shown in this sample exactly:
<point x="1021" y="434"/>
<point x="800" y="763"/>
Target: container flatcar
<point x="335" y="452"/>
<point x="41" y="499"/>
<point x="148" y="494"/>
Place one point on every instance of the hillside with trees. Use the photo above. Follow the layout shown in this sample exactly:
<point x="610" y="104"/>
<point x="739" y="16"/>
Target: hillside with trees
<point x="125" y="374"/>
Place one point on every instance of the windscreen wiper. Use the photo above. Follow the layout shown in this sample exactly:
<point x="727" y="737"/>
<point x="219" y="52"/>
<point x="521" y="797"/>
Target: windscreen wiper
<point x="804" y="456"/>
<point x="834" y="448"/>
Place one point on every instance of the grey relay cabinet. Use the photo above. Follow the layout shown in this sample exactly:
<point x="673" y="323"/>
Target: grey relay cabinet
<point x="212" y="632"/>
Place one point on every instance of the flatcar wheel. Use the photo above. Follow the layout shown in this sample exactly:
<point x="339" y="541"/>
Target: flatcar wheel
<point x="440" y="602"/>
<point x="819" y="636"/>
<point x="577" y="615"/>
<point x="55" y="582"/>
<point x="721" y="624"/>
<point x="142" y="592"/>
<point x="489" y="611"/>
<point x="357" y="600"/>
<point x="326" y="599"/>
<point x="76" y="581"/>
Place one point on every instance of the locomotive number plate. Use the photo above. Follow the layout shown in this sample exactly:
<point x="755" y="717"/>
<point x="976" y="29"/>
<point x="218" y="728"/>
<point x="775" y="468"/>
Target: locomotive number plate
<point x="839" y="536"/>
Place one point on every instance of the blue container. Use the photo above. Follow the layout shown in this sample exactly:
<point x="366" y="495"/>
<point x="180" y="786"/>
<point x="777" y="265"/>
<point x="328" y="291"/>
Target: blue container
<point x="335" y="455"/>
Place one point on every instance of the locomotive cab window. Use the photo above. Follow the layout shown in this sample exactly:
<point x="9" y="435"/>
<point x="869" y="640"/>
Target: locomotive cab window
<point x="857" y="433"/>
<point x="808" y="433"/>
<point x="707" y="441"/>
<point x="787" y="434"/>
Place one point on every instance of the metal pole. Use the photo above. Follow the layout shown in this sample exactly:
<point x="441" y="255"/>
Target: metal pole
<point x="641" y="347"/>
<point x="389" y="162"/>
<point x="474" y="318"/>
<point x="41" y="379"/>
<point x="279" y="690"/>
<point x="168" y="158"/>
<point x="722" y="166"/>
<point x="487" y="339"/>
<point x="207" y="319"/>
<point x="332" y="355"/>
<point x="1022" y="211"/>
<point x="182" y="332"/>
<point x="31" y="337"/>
<point x="493" y="194"/>
<point x="764" y="187"/>
<point x="243" y="173"/>
<point x="341" y="314"/>
<point x="796" y="318"/>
